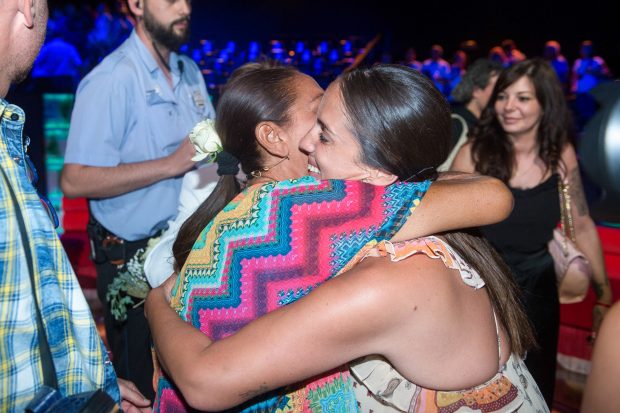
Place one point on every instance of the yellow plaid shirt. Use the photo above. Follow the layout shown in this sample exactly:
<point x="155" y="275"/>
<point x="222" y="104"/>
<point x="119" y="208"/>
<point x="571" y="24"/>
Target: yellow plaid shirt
<point x="79" y="356"/>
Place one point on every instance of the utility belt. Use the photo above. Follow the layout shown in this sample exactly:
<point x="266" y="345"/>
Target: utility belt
<point x="105" y="246"/>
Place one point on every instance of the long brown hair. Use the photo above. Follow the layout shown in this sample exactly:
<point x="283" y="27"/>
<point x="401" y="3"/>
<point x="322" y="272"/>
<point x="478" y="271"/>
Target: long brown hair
<point x="255" y="92"/>
<point x="492" y="151"/>
<point x="504" y="292"/>
<point x="403" y="126"/>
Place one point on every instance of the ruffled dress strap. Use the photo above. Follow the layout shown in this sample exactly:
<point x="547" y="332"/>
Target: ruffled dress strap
<point x="380" y="387"/>
<point x="432" y="247"/>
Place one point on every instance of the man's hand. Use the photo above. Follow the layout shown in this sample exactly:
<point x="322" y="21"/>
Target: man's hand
<point x="132" y="401"/>
<point x="180" y="161"/>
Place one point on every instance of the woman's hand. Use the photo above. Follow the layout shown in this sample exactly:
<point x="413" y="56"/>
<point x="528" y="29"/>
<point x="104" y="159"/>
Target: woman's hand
<point x="132" y="400"/>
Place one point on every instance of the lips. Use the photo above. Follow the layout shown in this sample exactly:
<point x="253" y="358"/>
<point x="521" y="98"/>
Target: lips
<point x="181" y="23"/>
<point x="510" y="120"/>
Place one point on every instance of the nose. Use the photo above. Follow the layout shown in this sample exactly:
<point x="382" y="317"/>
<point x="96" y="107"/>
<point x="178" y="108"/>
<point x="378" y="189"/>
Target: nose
<point x="307" y="144"/>
<point x="509" y="104"/>
<point x="186" y="7"/>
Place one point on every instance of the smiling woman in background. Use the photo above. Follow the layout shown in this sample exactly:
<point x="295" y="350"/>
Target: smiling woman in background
<point x="524" y="139"/>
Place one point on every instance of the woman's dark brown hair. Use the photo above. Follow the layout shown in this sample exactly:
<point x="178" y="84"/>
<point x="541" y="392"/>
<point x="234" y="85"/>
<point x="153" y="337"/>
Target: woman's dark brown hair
<point x="256" y="92"/>
<point x="492" y="150"/>
<point x="402" y="123"/>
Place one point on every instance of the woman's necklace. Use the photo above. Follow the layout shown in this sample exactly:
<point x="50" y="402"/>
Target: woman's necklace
<point x="530" y="176"/>
<point x="260" y="175"/>
<point x="525" y="172"/>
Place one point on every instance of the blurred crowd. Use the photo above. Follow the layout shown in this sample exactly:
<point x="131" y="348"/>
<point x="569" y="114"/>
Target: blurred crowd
<point x="81" y="35"/>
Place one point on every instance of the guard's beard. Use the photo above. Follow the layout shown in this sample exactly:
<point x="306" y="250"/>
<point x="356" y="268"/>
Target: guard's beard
<point x="166" y="36"/>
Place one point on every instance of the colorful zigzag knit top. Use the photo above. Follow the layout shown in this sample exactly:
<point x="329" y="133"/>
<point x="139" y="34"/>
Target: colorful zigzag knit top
<point x="272" y="245"/>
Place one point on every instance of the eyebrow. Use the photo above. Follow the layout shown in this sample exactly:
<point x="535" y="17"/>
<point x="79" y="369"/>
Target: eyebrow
<point x="324" y="126"/>
<point x="519" y="92"/>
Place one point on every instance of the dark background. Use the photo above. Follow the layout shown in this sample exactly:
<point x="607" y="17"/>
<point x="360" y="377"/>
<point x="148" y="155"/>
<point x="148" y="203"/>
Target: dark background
<point x="419" y="23"/>
<point x="414" y="23"/>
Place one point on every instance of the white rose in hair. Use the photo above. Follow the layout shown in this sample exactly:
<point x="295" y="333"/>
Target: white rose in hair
<point x="205" y="140"/>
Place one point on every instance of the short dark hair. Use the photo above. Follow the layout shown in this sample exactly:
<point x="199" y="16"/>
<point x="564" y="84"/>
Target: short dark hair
<point x="400" y="119"/>
<point x="477" y="76"/>
<point x="508" y="44"/>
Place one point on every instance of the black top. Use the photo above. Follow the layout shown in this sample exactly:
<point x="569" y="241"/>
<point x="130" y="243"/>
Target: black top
<point x="522" y="238"/>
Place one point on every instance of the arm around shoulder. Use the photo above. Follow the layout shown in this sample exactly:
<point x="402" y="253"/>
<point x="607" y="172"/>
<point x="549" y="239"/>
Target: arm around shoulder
<point x="456" y="202"/>
<point x="283" y="347"/>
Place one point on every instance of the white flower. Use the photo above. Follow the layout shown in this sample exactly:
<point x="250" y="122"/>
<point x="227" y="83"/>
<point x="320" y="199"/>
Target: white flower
<point x="205" y="140"/>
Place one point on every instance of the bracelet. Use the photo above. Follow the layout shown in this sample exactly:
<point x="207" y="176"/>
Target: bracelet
<point x="602" y="304"/>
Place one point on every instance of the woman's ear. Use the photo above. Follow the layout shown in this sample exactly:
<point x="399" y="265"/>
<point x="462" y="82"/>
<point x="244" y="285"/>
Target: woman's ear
<point x="379" y="177"/>
<point x="268" y="136"/>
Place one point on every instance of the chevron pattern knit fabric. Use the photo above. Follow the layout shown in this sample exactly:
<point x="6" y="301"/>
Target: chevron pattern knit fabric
<point x="272" y="245"/>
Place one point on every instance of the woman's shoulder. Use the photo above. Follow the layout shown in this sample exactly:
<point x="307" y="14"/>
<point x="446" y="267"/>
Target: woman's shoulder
<point x="568" y="159"/>
<point x="407" y="275"/>
<point x="569" y="154"/>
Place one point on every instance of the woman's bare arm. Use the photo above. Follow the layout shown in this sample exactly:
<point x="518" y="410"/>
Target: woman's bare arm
<point x="587" y="236"/>
<point x="458" y="200"/>
<point x="337" y="322"/>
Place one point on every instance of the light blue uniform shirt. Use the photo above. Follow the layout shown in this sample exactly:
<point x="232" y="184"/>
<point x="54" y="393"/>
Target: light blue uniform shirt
<point x="125" y="112"/>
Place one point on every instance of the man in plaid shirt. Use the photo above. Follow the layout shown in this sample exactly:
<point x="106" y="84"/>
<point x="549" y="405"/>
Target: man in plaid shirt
<point x="29" y="247"/>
